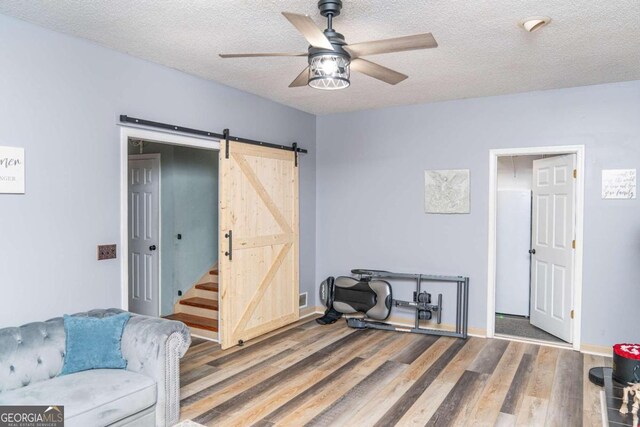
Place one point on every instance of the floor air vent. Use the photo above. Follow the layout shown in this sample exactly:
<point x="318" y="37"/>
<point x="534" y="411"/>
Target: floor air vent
<point x="302" y="300"/>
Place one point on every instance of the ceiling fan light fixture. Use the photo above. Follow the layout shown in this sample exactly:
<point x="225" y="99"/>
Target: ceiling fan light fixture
<point x="329" y="56"/>
<point x="329" y="72"/>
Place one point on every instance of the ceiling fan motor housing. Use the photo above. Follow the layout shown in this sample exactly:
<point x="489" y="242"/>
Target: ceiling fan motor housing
<point x="337" y="41"/>
<point x="330" y="7"/>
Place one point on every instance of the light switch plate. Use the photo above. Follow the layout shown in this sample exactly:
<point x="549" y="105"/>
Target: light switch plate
<point x="106" y="252"/>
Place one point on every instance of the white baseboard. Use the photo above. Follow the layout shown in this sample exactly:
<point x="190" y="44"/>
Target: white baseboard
<point x="598" y="350"/>
<point x="406" y="322"/>
<point x="310" y="311"/>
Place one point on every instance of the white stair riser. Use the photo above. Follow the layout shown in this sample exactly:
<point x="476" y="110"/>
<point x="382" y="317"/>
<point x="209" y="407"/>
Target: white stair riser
<point x="209" y="278"/>
<point x="197" y="311"/>
<point x="205" y="294"/>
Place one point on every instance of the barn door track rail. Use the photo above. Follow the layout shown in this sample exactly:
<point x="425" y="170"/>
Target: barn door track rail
<point x="208" y="134"/>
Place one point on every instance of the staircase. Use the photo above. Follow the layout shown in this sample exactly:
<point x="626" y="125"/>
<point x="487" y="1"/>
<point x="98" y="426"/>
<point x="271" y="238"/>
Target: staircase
<point x="198" y="307"/>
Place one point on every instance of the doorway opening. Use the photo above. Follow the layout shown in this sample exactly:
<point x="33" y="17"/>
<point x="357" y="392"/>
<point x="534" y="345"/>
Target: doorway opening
<point x="170" y="228"/>
<point x="535" y="244"/>
<point x="258" y="229"/>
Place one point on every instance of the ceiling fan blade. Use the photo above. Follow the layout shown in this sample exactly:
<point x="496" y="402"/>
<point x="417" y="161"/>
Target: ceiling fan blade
<point x="376" y="71"/>
<point x="399" y="44"/>
<point x="302" y="79"/>
<point x="257" y="55"/>
<point x="309" y="30"/>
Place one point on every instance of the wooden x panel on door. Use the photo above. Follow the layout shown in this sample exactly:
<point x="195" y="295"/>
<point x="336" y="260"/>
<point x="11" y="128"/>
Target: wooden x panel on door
<point x="258" y="241"/>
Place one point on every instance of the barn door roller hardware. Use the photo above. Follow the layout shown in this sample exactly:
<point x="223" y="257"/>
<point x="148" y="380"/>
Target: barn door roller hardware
<point x="213" y="135"/>
<point x="225" y="135"/>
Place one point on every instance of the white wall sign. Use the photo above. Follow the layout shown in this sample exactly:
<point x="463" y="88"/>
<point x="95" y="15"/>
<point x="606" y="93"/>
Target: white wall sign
<point x="446" y="191"/>
<point x="12" y="170"/>
<point x="618" y="183"/>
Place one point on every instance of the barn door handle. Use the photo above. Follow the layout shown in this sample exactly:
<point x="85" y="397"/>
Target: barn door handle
<point x="229" y="253"/>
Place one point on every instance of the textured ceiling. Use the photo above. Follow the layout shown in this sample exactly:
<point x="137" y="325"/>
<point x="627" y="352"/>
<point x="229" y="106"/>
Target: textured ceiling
<point x="481" y="51"/>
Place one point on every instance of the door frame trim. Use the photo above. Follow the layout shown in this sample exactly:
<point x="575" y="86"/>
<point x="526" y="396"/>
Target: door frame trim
<point x="158" y="157"/>
<point x="579" y="151"/>
<point x="162" y="137"/>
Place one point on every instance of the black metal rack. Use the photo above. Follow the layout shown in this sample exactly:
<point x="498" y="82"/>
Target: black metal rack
<point x="462" y="303"/>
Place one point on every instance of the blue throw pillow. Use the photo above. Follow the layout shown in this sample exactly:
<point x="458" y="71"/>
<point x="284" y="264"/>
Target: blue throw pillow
<point x="94" y="343"/>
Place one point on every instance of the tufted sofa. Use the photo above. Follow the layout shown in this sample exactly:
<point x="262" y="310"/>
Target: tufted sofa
<point x="145" y="394"/>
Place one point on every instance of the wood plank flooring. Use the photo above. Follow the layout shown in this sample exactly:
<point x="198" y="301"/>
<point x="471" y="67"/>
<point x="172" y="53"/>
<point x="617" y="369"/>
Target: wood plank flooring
<point x="313" y="375"/>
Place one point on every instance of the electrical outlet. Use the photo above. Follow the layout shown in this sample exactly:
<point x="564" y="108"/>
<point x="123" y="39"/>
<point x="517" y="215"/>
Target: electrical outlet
<point x="106" y="252"/>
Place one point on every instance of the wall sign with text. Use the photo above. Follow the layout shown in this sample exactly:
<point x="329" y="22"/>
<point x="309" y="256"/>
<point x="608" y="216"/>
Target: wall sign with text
<point x="11" y="170"/>
<point x="618" y="183"/>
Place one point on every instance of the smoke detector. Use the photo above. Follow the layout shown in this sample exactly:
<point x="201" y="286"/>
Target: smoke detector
<point x="534" y="23"/>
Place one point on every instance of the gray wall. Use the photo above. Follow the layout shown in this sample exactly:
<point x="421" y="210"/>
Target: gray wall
<point x="189" y="205"/>
<point x="61" y="98"/>
<point x="370" y="191"/>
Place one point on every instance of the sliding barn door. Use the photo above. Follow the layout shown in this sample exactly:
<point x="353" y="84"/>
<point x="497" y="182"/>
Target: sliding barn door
<point x="258" y="241"/>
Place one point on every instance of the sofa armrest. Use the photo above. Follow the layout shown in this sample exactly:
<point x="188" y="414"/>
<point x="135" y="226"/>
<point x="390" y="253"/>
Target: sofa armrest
<point x="153" y="347"/>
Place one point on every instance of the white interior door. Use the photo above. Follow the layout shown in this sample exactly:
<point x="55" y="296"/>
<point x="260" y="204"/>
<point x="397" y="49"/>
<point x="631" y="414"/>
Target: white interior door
<point x="553" y="232"/>
<point x="144" y="234"/>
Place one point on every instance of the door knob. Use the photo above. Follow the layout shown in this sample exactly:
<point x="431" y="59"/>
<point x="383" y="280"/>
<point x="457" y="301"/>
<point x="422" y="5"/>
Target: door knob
<point x="152" y="248"/>
<point x="532" y="251"/>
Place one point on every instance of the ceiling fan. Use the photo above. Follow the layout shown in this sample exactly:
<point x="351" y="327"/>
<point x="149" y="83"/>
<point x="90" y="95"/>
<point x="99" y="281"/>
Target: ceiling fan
<point x="331" y="59"/>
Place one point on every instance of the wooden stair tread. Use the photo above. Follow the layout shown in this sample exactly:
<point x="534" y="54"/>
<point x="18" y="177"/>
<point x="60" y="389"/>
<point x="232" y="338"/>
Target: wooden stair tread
<point x="208" y="286"/>
<point x="192" y="321"/>
<point x="207" y="303"/>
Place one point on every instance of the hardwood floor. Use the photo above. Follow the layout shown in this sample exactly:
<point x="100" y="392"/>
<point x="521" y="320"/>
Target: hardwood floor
<point x="332" y="375"/>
